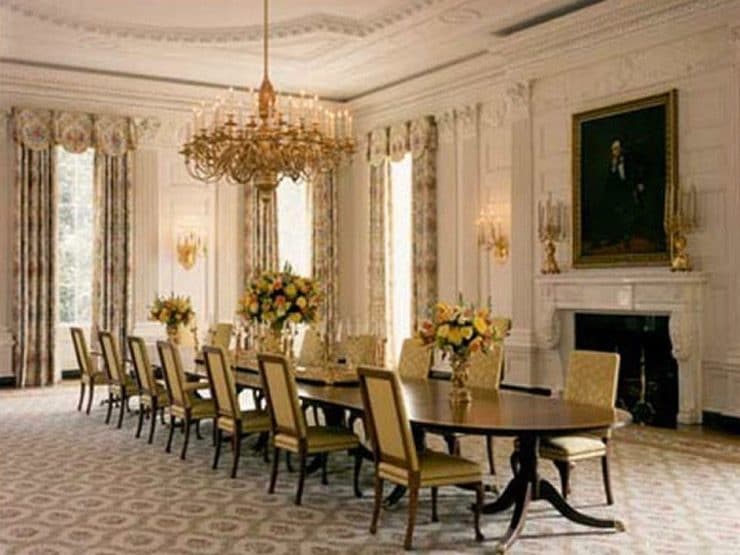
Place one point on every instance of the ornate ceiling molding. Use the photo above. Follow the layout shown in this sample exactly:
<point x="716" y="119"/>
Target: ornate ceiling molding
<point x="297" y="27"/>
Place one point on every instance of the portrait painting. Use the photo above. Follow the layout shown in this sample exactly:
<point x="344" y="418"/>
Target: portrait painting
<point x="624" y="173"/>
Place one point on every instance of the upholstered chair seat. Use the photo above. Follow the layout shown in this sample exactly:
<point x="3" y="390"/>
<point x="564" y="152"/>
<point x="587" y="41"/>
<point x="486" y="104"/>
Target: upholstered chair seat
<point x="90" y="376"/>
<point x="396" y="457"/>
<point x="230" y="418"/>
<point x="572" y="448"/>
<point x="289" y="430"/>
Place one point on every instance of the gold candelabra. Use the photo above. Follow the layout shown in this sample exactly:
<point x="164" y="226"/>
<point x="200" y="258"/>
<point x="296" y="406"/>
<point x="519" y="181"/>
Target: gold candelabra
<point x="682" y="219"/>
<point x="551" y="230"/>
<point x="266" y="138"/>
<point x="491" y="236"/>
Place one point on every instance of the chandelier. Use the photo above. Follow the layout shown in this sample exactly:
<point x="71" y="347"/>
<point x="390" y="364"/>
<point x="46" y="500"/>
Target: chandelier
<point x="264" y="138"/>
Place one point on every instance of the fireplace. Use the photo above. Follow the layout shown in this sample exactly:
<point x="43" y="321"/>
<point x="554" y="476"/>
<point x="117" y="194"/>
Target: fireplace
<point x="648" y="373"/>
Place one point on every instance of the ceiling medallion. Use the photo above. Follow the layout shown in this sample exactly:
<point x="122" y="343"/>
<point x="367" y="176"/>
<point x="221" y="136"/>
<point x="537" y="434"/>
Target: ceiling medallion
<point x="267" y="138"/>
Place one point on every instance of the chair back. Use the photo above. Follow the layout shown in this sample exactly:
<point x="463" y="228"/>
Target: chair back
<point x="312" y="349"/>
<point x="223" y="387"/>
<point x="112" y="357"/>
<point x="592" y="378"/>
<point x="359" y="350"/>
<point x="485" y="369"/>
<point x="142" y="366"/>
<point x="222" y="335"/>
<point x="174" y="376"/>
<point x="281" y="393"/>
<point x="84" y="360"/>
<point x="415" y="360"/>
<point x="386" y="419"/>
<point x="502" y="326"/>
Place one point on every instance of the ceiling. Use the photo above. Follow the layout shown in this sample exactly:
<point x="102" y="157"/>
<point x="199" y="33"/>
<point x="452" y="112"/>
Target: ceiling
<point x="339" y="49"/>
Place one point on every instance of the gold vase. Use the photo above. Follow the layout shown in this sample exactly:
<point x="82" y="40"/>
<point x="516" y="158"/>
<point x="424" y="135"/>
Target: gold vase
<point x="173" y="334"/>
<point x="272" y="342"/>
<point x="460" y="393"/>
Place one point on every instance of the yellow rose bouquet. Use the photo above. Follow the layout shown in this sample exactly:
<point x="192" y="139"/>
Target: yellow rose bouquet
<point x="276" y="298"/>
<point x="458" y="330"/>
<point x="172" y="311"/>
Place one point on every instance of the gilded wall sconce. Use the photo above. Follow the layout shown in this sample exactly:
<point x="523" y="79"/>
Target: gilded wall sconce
<point x="682" y="220"/>
<point x="551" y="230"/>
<point x="491" y="236"/>
<point x="189" y="247"/>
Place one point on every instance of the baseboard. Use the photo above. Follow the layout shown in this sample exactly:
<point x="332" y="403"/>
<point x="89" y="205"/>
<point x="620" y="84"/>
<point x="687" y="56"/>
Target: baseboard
<point x="721" y="422"/>
<point x="73" y="374"/>
<point x="7" y="381"/>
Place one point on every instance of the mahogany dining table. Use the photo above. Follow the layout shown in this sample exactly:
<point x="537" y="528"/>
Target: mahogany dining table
<point x="527" y="417"/>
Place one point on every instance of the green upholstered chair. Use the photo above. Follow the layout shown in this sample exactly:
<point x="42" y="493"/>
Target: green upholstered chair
<point x="396" y="458"/>
<point x="184" y="404"/>
<point x="591" y="380"/>
<point x="153" y="397"/>
<point x="230" y="418"/>
<point x="121" y="386"/>
<point x="289" y="430"/>
<point x="90" y="376"/>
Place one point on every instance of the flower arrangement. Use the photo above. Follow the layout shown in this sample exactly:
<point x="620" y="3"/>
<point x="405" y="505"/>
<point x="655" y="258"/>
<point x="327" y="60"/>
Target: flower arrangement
<point x="458" y="329"/>
<point x="276" y="298"/>
<point x="172" y="311"/>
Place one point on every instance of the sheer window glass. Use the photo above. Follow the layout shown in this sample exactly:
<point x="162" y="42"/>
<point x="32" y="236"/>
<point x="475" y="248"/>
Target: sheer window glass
<point x="74" y="235"/>
<point x="398" y="255"/>
<point x="295" y="226"/>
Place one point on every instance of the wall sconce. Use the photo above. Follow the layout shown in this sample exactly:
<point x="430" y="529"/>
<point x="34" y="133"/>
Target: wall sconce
<point x="491" y="236"/>
<point x="550" y="230"/>
<point x="189" y="247"/>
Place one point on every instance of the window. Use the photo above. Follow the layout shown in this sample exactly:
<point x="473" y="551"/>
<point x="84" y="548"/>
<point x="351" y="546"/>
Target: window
<point x="294" y="226"/>
<point x="398" y="255"/>
<point x="74" y="235"/>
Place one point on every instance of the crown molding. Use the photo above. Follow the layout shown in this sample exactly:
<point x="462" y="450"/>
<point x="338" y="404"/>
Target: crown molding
<point x="318" y="23"/>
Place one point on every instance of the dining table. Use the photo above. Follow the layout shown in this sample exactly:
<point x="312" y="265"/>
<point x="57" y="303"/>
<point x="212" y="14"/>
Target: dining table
<point x="528" y="418"/>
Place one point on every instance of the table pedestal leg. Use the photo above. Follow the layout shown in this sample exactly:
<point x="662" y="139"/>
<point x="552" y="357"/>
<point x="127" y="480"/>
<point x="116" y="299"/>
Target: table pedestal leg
<point x="527" y="486"/>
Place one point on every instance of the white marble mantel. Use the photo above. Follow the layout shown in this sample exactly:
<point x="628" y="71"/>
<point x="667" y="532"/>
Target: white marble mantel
<point x="645" y="291"/>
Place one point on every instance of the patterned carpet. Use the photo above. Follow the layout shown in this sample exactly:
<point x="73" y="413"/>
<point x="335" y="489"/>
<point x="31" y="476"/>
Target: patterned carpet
<point x="73" y="485"/>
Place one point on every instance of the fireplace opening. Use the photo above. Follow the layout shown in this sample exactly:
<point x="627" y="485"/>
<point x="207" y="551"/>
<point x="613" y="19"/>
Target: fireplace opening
<point x="648" y="373"/>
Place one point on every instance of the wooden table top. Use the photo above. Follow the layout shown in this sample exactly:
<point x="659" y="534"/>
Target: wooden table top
<point x="499" y="412"/>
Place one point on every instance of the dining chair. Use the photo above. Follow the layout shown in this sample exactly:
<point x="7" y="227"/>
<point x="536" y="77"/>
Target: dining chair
<point x="184" y="404"/>
<point x="358" y="350"/>
<point x="289" y="429"/>
<point x="415" y="360"/>
<point x="121" y="386"/>
<point x="90" y="376"/>
<point x="230" y="418"/>
<point x="395" y="455"/>
<point x="312" y="349"/>
<point x="153" y="397"/>
<point x="591" y="380"/>
<point x="221" y="335"/>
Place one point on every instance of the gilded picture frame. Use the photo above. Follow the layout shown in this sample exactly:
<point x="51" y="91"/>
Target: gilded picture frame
<point x="625" y="168"/>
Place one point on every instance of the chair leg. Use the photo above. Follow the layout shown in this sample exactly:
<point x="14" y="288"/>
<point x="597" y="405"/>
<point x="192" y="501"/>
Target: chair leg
<point x="301" y="477"/>
<point x="607" y="478"/>
<point x="153" y="418"/>
<point x="237" y="452"/>
<point x="324" y="463"/>
<point x="356" y="477"/>
<point x="477" y="511"/>
<point x="274" y="473"/>
<point x="489" y="450"/>
<point x="217" y="450"/>
<point x="377" y="505"/>
<point x="288" y="463"/>
<point x="82" y="395"/>
<point x="172" y="433"/>
<point x="141" y="421"/>
<point x="197" y="429"/>
<point x="124" y="402"/>
<point x="186" y="425"/>
<point x="435" y="517"/>
<point x="90" y="397"/>
<point x="110" y="408"/>
<point x="265" y="438"/>
<point x="413" y="503"/>
<point x="514" y="462"/>
<point x="564" y="471"/>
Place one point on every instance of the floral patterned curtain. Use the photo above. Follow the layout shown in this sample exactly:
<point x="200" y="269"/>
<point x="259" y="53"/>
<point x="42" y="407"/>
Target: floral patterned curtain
<point x="260" y="233"/>
<point x="34" y="261"/>
<point x="36" y="132"/>
<point x="378" y="160"/>
<point x="325" y="241"/>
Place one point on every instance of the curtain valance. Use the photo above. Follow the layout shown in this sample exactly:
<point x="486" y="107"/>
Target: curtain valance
<point x="418" y="137"/>
<point x="39" y="129"/>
